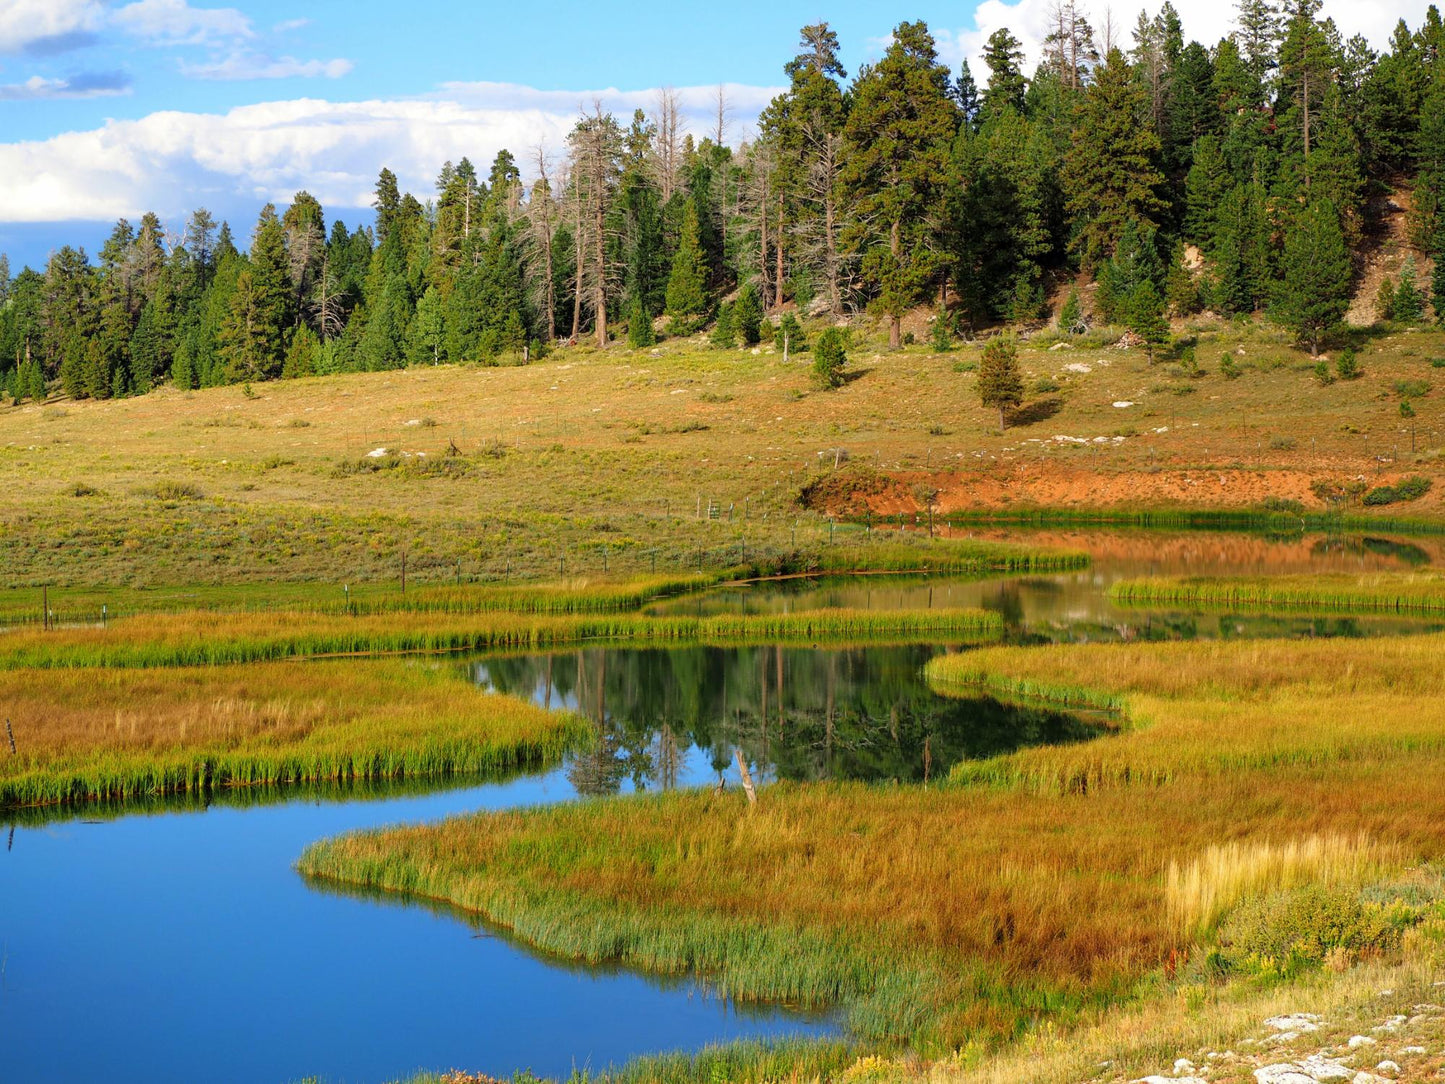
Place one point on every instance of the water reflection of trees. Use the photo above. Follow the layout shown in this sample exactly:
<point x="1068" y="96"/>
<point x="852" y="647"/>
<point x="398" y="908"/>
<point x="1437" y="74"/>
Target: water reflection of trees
<point x="860" y="714"/>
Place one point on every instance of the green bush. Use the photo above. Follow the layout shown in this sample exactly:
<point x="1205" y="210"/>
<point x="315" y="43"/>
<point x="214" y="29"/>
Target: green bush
<point x="1407" y="489"/>
<point x="1347" y="365"/>
<point x="1287" y="932"/>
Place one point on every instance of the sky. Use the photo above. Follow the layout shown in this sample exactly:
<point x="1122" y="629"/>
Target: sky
<point x="109" y="108"/>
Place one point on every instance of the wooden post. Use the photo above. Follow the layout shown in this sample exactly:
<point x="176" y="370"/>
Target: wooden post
<point x="45" y="608"/>
<point x="11" y="735"/>
<point x="747" y="777"/>
<point x="403" y="572"/>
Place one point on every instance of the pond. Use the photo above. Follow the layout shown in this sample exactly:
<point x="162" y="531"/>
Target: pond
<point x="175" y="942"/>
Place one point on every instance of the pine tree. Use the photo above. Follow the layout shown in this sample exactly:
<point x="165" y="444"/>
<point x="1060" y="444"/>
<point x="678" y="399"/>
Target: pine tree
<point x="303" y="357"/>
<point x="1004" y="56"/>
<point x="1143" y="314"/>
<point x="747" y="316"/>
<point x="245" y="338"/>
<point x="640" y="333"/>
<point x="1204" y="190"/>
<point x="1385" y="300"/>
<point x="965" y="93"/>
<point x="830" y="356"/>
<point x="1314" y="290"/>
<point x="1135" y="262"/>
<point x="1409" y="303"/>
<point x="897" y="144"/>
<point x="1000" y="384"/>
<point x="686" y="299"/>
<point x="724" y="333"/>
<point x="1111" y="172"/>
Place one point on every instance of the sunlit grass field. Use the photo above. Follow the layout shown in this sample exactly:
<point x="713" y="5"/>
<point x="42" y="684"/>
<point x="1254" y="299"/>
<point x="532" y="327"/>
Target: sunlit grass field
<point x="626" y="460"/>
<point x="1421" y="592"/>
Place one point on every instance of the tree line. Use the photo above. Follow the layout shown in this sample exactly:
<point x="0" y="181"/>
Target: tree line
<point x="1178" y="176"/>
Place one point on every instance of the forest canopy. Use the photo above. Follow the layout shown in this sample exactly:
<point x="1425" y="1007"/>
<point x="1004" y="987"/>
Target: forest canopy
<point x="905" y="183"/>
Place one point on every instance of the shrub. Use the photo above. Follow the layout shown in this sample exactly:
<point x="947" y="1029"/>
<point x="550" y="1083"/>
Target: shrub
<point x="82" y="489"/>
<point x="1347" y="365"/>
<point x="1412" y="389"/>
<point x="724" y="333"/>
<point x="1045" y="384"/>
<point x="748" y="316"/>
<point x="1228" y="367"/>
<point x="1323" y="374"/>
<point x="1407" y="489"/>
<point x="1286" y="932"/>
<point x="829" y="358"/>
<point x="942" y="335"/>
<point x="176" y="491"/>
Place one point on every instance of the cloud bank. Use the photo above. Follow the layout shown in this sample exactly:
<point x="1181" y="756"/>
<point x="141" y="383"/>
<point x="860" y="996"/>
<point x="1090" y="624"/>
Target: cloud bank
<point x="172" y="162"/>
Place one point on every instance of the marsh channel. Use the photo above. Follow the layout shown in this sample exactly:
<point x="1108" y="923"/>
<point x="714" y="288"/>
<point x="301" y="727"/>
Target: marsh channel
<point x="175" y="941"/>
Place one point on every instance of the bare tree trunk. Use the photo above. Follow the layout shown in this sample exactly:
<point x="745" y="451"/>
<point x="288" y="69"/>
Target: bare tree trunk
<point x="578" y="257"/>
<point x="763" y="237"/>
<point x="599" y="288"/>
<point x="669" y="125"/>
<point x="895" y="321"/>
<point x="778" y="275"/>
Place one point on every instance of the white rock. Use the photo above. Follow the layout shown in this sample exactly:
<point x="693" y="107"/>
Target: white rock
<point x="1300" y="1021"/>
<point x="1414" y="1050"/>
<point x="1369" y="1078"/>
<point x="1077" y="367"/>
<point x="376" y="453"/>
<point x="1283" y="1037"/>
<point x="1122" y="403"/>
<point x="1156" y="1079"/>
<point x="1389" y="1068"/>
<point x="1427" y="1007"/>
<point x="1357" y="1041"/>
<point x="1061" y="346"/>
<point x="1183" y="1065"/>
<point x="1322" y="1069"/>
<point x="1285" y="1073"/>
<point x="1394" y="1023"/>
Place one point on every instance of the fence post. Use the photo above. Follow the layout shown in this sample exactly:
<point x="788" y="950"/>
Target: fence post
<point x="45" y="608"/>
<point x="11" y="735"/>
<point x="403" y="572"/>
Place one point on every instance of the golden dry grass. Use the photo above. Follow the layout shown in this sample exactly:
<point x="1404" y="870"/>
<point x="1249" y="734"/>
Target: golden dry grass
<point x="106" y="733"/>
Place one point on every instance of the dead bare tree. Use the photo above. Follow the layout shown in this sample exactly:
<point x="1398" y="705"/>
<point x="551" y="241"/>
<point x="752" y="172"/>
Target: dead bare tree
<point x="668" y="159"/>
<point x="542" y="217"/>
<point x="595" y="141"/>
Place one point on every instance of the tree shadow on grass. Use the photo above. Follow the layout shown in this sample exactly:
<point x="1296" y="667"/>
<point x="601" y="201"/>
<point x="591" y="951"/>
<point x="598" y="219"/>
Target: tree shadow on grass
<point x="1041" y="410"/>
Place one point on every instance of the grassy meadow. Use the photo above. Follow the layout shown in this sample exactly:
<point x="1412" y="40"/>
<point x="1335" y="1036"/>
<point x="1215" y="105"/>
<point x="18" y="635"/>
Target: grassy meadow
<point x="1048" y="884"/>
<point x="591" y="462"/>
<point x="114" y="734"/>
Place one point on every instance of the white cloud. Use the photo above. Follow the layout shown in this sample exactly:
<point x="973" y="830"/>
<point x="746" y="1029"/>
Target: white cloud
<point x="175" y="22"/>
<point x="251" y="65"/>
<point x="1205" y="21"/>
<point x="48" y="26"/>
<point x="288" y="25"/>
<point x="41" y="27"/>
<point x="171" y="162"/>
<point x="84" y="85"/>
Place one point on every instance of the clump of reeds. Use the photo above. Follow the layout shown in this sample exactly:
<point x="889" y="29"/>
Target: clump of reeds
<point x="1201" y="890"/>
<point x="209" y="639"/>
<point x="1414" y="592"/>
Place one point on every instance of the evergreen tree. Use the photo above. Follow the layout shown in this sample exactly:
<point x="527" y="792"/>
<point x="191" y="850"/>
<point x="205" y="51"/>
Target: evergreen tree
<point x="747" y="316"/>
<point x="1241" y="252"/>
<point x="830" y="356"/>
<point x="640" y="333"/>
<point x="1143" y="314"/>
<point x="1000" y="384"/>
<point x="1111" y="172"/>
<point x="965" y="93"/>
<point x="1409" y="303"/>
<point x="303" y="358"/>
<point x="897" y="142"/>
<point x="724" y="332"/>
<point x="686" y="299"/>
<point x="1204" y="190"/>
<point x="1004" y="57"/>
<point x="245" y="339"/>
<point x="1314" y="290"/>
<point x="1135" y="262"/>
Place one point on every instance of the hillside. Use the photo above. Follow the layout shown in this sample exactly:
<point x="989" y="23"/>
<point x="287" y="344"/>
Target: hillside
<point x="611" y="457"/>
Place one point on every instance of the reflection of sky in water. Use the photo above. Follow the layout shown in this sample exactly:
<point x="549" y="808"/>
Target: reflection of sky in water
<point x="183" y="947"/>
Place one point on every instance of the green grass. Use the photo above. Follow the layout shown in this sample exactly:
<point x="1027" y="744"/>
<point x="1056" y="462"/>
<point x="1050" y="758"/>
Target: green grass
<point x="213" y="640"/>
<point x="1407" y="593"/>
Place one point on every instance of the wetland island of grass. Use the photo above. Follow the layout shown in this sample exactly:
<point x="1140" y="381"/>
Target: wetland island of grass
<point x="902" y="555"/>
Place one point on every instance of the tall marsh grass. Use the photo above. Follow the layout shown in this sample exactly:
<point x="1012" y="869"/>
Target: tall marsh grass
<point x="1414" y="592"/>
<point x="98" y="735"/>
<point x="1200" y="891"/>
<point x="211" y="639"/>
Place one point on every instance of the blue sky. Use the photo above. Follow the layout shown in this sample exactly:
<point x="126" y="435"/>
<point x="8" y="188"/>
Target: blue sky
<point x="113" y="108"/>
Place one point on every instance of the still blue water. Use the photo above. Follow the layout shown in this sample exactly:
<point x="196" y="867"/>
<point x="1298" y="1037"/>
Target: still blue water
<point x="183" y="947"/>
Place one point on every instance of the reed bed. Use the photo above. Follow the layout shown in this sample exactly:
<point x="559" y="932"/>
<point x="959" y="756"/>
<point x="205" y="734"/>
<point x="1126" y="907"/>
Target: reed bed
<point x="1407" y="593"/>
<point x="211" y="640"/>
<point x="1036" y="887"/>
<point x="1202" y="890"/>
<point x="105" y="735"/>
